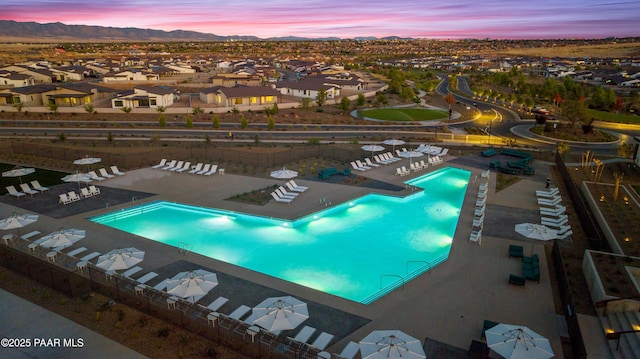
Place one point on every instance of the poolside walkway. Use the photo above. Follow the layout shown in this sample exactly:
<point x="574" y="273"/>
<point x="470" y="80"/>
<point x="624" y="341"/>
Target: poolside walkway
<point x="447" y="304"/>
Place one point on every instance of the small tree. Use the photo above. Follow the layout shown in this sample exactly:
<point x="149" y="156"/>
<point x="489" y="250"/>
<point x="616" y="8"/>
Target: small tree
<point x="89" y="108"/>
<point x="189" y="121"/>
<point x="625" y="150"/>
<point x="162" y="121"/>
<point x="243" y="122"/>
<point x="562" y="148"/>
<point x="54" y="108"/>
<point x="361" y="100"/>
<point x="109" y="137"/>
<point x="215" y="121"/>
<point x="126" y="109"/>
<point x="18" y="106"/>
<point x="271" y="124"/>
<point x="321" y="97"/>
<point x="62" y="136"/>
<point x="345" y="104"/>
<point x="161" y="109"/>
<point x="197" y="110"/>
<point x="305" y="103"/>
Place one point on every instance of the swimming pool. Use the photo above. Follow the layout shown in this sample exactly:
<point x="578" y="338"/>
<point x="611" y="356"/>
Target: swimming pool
<point x="359" y="250"/>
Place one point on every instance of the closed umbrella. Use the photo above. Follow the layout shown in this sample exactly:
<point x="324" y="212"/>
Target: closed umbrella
<point x="192" y="283"/>
<point x="515" y="341"/>
<point x="18" y="172"/>
<point x="18" y="221"/>
<point x="62" y="238"/>
<point x="121" y="258"/>
<point x="391" y="344"/>
<point x="280" y="313"/>
<point x="372" y="148"/>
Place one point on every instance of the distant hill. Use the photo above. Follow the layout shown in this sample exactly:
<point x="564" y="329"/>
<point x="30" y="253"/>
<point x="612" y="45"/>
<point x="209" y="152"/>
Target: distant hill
<point x="57" y="30"/>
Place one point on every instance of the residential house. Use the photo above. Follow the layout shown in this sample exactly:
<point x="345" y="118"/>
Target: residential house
<point x="239" y="96"/>
<point x="309" y="87"/>
<point x="39" y="75"/>
<point x="27" y="95"/>
<point x="145" y="97"/>
<point x="15" y="79"/>
<point x="231" y="80"/>
<point x="71" y="73"/>
<point x="130" y="75"/>
<point x="76" y="94"/>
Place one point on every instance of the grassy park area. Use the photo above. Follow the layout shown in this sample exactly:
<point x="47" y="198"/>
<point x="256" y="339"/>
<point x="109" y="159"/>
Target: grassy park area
<point x="404" y="114"/>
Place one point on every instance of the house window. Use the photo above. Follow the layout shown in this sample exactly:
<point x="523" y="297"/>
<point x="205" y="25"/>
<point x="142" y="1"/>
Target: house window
<point x="269" y="99"/>
<point x="16" y="99"/>
<point x="253" y="100"/>
<point x="218" y="99"/>
<point x="118" y="103"/>
<point x="238" y="101"/>
<point x="153" y="102"/>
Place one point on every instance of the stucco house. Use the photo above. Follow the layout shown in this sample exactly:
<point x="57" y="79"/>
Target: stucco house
<point x="130" y="75"/>
<point x="238" y="96"/>
<point x="27" y="95"/>
<point x="15" y="79"/>
<point x="145" y="97"/>
<point x="308" y="87"/>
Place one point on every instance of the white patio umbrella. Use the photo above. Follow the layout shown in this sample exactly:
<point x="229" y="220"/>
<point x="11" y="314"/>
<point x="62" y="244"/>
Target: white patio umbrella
<point x="536" y="231"/>
<point x="121" y="258"/>
<point x="391" y="344"/>
<point x="62" y="238"/>
<point x="372" y="148"/>
<point x="411" y="155"/>
<point x="515" y="341"/>
<point x="18" y="220"/>
<point x="77" y="177"/>
<point x="18" y="172"/>
<point x="394" y="143"/>
<point x="284" y="174"/>
<point x="280" y="313"/>
<point x="192" y="283"/>
<point x="86" y="160"/>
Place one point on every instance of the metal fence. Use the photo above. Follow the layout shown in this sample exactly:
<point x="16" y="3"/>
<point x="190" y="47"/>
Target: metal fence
<point x="62" y="274"/>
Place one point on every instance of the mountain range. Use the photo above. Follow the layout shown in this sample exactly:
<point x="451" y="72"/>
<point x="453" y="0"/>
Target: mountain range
<point x="63" y="32"/>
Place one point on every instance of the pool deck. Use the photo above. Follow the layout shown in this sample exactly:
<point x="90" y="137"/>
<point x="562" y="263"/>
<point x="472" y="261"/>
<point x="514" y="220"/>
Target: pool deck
<point x="447" y="304"/>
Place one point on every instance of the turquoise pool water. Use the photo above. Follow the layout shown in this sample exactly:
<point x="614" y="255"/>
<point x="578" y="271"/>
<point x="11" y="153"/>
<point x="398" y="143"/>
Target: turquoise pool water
<point x="359" y="250"/>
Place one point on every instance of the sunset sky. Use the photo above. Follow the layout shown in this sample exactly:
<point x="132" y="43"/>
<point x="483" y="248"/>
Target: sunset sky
<point x="496" y="19"/>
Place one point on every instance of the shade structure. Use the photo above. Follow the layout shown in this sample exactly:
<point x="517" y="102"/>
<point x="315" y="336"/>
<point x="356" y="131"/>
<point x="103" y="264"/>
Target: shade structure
<point x="536" y="231"/>
<point x="515" y="342"/>
<point x="18" y="172"/>
<point x="284" y="174"/>
<point x="18" y="220"/>
<point x="391" y="344"/>
<point x="393" y="142"/>
<point x="86" y="160"/>
<point x="62" y="238"/>
<point x="280" y="313"/>
<point x="192" y="283"/>
<point x="372" y="148"/>
<point x="121" y="258"/>
<point x="410" y="155"/>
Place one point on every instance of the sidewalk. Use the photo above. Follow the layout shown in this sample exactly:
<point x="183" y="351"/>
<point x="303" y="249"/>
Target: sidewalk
<point x="45" y="334"/>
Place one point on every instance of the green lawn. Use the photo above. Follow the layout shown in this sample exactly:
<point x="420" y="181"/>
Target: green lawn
<point x="404" y="114"/>
<point x="614" y="117"/>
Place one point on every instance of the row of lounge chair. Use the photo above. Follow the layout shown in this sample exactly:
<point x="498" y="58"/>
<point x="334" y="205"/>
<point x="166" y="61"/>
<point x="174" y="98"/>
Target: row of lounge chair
<point x="205" y="169"/>
<point x="103" y="174"/>
<point x="37" y="188"/>
<point x="287" y="195"/>
<point x="432" y="150"/>
<point x="553" y="213"/>
<point x="72" y="196"/>
<point x="478" y="219"/>
<point x="418" y="166"/>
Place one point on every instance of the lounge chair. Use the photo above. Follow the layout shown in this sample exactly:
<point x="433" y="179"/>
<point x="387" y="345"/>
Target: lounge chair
<point x="557" y="219"/>
<point x="443" y="152"/>
<point x="94" y="190"/>
<point x="516" y="251"/>
<point x="36" y="185"/>
<point x="239" y="312"/>
<point x="476" y="236"/>
<point x="217" y="304"/>
<point x="277" y="198"/>
<point x="197" y="168"/>
<point x="131" y="271"/>
<point x="550" y="202"/>
<point x="26" y="236"/>
<point x="14" y="192"/>
<point x="26" y="189"/>
<point x="362" y="165"/>
<point x="304" y="334"/>
<point x="168" y="165"/>
<point x="90" y="256"/>
<point x="565" y="235"/>
<point x="482" y="193"/>
<point x="549" y="212"/>
<point x="483" y="186"/>
<point x="517" y="280"/>
<point x="161" y="286"/>
<point x="147" y="277"/>
<point x="548" y="193"/>
<point x="64" y="199"/>
<point x="481" y="201"/>
<point x="211" y="171"/>
<point x="205" y="169"/>
<point x="94" y="176"/>
<point x="284" y="193"/>
<point x="76" y="251"/>
<point x="368" y="162"/>
<point x="104" y="173"/>
<point x="554" y="224"/>
<point x="478" y="221"/>
<point x="563" y="229"/>
<point x="294" y="184"/>
<point x="292" y="188"/>
<point x="350" y="351"/>
<point x="116" y="171"/>
<point x="322" y="341"/>
<point x="84" y="192"/>
<point x="73" y="196"/>
<point x="185" y="167"/>
<point x="424" y="164"/>
<point x="162" y="163"/>
<point x="480" y="210"/>
<point x="356" y="167"/>
<point x="173" y="168"/>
